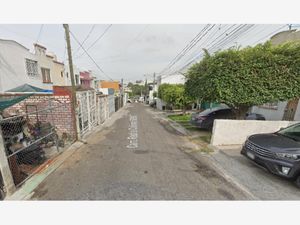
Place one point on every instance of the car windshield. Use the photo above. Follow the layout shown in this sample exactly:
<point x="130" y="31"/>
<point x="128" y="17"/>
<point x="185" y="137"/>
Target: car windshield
<point x="292" y="132"/>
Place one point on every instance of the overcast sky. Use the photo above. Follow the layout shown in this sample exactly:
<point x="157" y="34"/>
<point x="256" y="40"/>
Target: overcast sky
<point x="130" y="51"/>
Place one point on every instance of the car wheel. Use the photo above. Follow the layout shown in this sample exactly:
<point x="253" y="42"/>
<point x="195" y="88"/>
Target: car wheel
<point x="297" y="181"/>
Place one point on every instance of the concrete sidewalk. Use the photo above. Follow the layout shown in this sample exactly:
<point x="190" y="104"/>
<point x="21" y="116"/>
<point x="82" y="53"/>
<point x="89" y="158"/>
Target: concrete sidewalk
<point x="253" y="178"/>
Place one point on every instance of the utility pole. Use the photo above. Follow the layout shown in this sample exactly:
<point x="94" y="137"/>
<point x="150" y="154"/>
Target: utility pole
<point x="74" y="101"/>
<point x="122" y="92"/>
<point x="154" y="81"/>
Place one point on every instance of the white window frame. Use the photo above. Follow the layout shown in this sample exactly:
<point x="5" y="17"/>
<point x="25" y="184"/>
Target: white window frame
<point x="46" y="77"/>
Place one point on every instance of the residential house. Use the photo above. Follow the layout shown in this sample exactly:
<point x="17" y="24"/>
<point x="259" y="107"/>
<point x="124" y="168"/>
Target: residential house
<point x="67" y="76"/>
<point x="287" y="110"/>
<point x="51" y="69"/>
<point x="19" y="66"/>
<point x="86" y="79"/>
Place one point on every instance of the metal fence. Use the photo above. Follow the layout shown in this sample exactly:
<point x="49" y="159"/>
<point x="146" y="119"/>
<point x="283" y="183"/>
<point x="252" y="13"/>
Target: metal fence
<point x="83" y="115"/>
<point x="31" y="139"/>
<point x="103" y="110"/>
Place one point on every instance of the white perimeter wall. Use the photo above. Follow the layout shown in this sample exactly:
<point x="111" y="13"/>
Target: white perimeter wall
<point x="235" y="132"/>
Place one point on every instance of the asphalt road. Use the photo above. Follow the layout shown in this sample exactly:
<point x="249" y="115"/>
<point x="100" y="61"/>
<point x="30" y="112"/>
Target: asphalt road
<point x="154" y="166"/>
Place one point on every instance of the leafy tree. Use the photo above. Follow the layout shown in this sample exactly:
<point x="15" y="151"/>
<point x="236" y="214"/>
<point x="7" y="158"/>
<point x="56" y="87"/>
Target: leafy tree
<point x="174" y="95"/>
<point x="247" y="77"/>
<point x="136" y="90"/>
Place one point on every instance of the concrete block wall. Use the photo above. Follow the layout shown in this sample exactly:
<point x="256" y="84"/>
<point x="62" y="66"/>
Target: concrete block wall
<point x="235" y="132"/>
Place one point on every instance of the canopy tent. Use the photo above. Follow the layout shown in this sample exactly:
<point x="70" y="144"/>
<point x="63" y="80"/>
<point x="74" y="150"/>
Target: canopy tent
<point x="6" y="102"/>
<point x="26" y="88"/>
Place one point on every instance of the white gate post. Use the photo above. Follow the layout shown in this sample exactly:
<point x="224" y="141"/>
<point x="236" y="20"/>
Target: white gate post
<point x="77" y="111"/>
<point x="8" y="181"/>
<point x="89" y="110"/>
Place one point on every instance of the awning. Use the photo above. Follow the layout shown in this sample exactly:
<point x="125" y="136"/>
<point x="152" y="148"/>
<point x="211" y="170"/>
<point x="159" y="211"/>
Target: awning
<point x="6" y="102"/>
<point x="26" y="88"/>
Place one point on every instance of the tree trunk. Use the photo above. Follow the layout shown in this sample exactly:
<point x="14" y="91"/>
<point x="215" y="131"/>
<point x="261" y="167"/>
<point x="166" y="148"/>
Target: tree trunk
<point x="240" y="112"/>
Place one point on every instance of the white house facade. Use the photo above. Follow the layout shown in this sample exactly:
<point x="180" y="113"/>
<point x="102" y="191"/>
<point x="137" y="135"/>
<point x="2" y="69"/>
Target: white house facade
<point x="19" y="66"/>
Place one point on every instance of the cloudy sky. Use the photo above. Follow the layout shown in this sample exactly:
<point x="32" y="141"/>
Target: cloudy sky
<point x="132" y="51"/>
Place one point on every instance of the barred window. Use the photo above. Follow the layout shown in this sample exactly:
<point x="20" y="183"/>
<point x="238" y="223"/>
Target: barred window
<point x="32" y="68"/>
<point x="46" y="75"/>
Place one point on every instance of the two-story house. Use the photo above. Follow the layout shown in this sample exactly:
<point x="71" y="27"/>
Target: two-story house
<point x="19" y="66"/>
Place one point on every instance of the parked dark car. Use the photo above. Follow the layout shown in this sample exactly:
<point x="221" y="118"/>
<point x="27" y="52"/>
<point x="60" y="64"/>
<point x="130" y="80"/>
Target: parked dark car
<point x="205" y="119"/>
<point x="254" y="116"/>
<point x="153" y="103"/>
<point x="278" y="152"/>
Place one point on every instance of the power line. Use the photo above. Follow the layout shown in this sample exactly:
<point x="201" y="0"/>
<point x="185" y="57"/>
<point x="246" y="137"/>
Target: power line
<point x="85" y="39"/>
<point x="214" y="43"/>
<point x="129" y="44"/>
<point x="214" y="46"/>
<point x="216" y="38"/>
<point x="105" y="31"/>
<point x="187" y="48"/>
<point x="40" y="32"/>
<point x="86" y="52"/>
<point x="270" y="34"/>
<point x="232" y="35"/>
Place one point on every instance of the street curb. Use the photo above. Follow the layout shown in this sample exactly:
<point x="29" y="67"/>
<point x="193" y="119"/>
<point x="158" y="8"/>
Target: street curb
<point x="26" y="190"/>
<point x="215" y="164"/>
<point x="231" y="179"/>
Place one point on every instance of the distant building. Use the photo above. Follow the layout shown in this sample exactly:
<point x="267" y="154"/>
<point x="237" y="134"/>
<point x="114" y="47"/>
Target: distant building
<point x="110" y="84"/>
<point x="86" y="79"/>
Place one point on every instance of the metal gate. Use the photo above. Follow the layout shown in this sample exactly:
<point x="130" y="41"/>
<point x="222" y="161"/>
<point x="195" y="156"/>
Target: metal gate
<point x="83" y="117"/>
<point x="103" y="108"/>
<point x="92" y="109"/>
<point x="87" y="111"/>
<point x="30" y="141"/>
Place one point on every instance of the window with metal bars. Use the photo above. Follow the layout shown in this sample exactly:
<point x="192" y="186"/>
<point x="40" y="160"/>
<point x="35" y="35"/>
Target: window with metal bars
<point x="32" y="68"/>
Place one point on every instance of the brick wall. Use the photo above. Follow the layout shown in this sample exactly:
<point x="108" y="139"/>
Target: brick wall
<point x="60" y="115"/>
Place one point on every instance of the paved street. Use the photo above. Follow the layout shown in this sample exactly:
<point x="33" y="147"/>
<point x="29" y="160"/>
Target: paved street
<point x="145" y="162"/>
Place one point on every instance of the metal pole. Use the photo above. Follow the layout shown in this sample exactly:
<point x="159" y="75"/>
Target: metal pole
<point x="7" y="177"/>
<point x="67" y="32"/>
